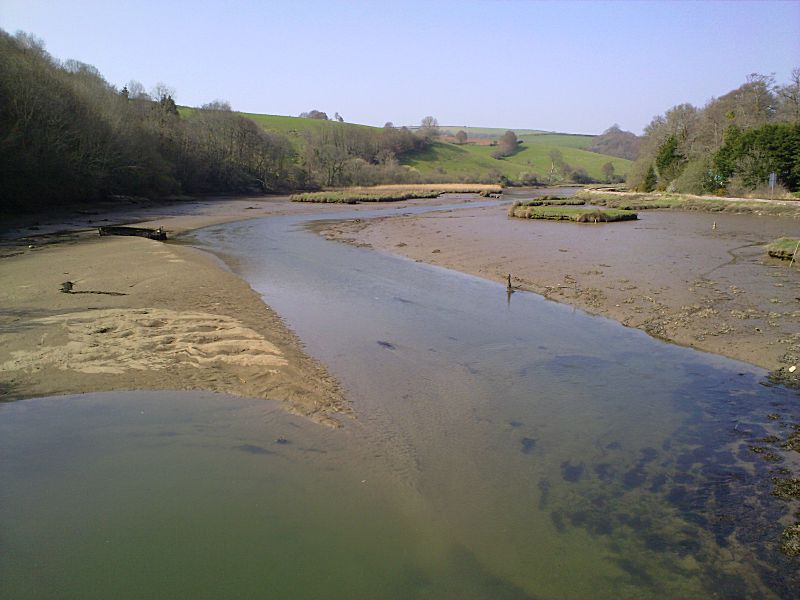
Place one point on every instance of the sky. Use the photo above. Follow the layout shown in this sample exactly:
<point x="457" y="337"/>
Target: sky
<point x="576" y="66"/>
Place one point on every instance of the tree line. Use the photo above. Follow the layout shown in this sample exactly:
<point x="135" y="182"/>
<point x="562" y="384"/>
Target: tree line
<point x="67" y="135"/>
<point x="729" y="146"/>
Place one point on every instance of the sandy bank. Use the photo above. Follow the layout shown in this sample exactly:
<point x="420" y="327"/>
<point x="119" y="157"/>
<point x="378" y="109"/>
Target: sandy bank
<point x="671" y="273"/>
<point x="146" y="315"/>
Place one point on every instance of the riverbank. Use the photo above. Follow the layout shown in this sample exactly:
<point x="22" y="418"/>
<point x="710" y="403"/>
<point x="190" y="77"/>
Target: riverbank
<point x="695" y="279"/>
<point x="147" y="315"/>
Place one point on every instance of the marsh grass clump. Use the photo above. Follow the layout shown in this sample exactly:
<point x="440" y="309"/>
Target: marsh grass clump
<point x="783" y="248"/>
<point x="396" y="193"/>
<point x="673" y="201"/>
<point x="568" y="213"/>
<point x="553" y="201"/>
<point x="352" y="197"/>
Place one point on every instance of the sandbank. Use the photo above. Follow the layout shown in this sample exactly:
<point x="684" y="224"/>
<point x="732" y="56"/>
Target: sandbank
<point x="146" y="315"/>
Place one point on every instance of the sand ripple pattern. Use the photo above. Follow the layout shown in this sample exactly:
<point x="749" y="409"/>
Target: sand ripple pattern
<point x="117" y="340"/>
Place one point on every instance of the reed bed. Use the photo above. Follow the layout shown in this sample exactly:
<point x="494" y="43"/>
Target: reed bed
<point x="395" y="193"/>
<point x="569" y="213"/>
<point x="553" y="201"/>
<point x="351" y="197"/>
<point x="666" y="200"/>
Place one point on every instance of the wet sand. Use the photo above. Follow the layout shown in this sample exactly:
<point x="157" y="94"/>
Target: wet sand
<point x="150" y="315"/>
<point x="670" y="274"/>
<point x="147" y="315"/>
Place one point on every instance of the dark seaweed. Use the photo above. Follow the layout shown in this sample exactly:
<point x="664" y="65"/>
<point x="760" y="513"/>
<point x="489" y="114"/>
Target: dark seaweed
<point x="528" y="445"/>
<point x="570" y="472"/>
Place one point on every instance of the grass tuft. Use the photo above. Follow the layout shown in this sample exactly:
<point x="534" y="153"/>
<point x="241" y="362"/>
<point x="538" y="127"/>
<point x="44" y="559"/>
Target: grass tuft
<point x="783" y="248"/>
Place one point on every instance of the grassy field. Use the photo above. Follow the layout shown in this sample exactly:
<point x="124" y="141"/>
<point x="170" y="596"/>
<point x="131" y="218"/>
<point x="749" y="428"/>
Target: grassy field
<point x="291" y="125"/>
<point x="284" y="124"/>
<point x="784" y="248"/>
<point x="569" y="213"/>
<point x="560" y="140"/>
<point x="476" y="162"/>
<point x="654" y="200"/>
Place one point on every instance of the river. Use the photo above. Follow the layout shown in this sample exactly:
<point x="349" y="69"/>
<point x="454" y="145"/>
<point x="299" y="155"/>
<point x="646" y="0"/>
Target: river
<point x="503" y="446"/>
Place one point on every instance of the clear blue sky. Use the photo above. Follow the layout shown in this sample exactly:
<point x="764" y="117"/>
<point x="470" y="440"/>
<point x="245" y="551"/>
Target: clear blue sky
<point x="566" y="66"/>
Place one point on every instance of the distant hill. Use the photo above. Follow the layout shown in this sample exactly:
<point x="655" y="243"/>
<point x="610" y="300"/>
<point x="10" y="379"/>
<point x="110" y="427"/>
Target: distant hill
<point x="474" y="161"/>
<point x="616" y="142"/>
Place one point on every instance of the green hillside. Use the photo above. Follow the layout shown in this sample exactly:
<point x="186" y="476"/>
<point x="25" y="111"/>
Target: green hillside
<point x="470" y="161"/>
<point x="572" y="140"/>
<point x="295" y="128"/>
<point x="484" y="131"/>
<point x="532" y="157"/>
<point x="296" y="124"/>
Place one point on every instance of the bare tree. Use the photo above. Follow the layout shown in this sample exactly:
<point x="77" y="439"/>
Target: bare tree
<point x="461" y="137"/>
<point x="507" y="145"/>
<point x="556" y="163"/>
<point x="162" y="90"/>
<point x="136" y="90"/>
<point x="429" y="127"/>
<point x="790" y="97"/>
<point x="608" y="171"/>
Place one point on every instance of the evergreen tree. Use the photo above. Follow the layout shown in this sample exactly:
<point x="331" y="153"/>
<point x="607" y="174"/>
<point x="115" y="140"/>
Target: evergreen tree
<point x="650" y="180"/>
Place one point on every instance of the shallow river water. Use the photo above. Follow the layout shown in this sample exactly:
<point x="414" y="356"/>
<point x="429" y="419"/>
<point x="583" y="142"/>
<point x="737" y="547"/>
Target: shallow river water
<point x="502" y="447"/>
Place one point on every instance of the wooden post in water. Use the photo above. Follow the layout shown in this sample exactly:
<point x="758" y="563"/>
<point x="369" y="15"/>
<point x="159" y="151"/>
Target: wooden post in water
<point x="508" y="287"/>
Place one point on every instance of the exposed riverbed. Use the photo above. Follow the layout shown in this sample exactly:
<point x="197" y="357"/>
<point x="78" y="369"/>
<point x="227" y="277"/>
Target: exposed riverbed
<point x="501" y="447"/>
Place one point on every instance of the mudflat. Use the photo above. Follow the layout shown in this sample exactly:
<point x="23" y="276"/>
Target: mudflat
<point x="697" y="279"/>
<point x="146" y="315"/>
